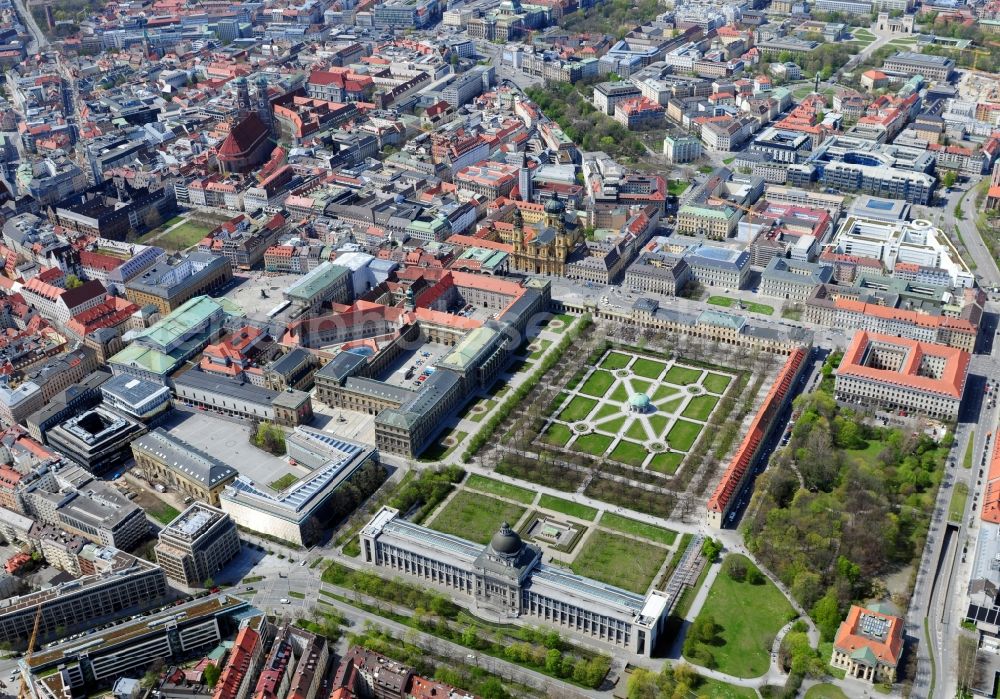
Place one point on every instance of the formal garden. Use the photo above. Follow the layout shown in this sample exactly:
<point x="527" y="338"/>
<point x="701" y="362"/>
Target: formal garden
<point x="637" y="410"/>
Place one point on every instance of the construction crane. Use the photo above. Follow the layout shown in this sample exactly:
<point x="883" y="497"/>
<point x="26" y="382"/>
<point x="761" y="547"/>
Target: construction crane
<point x="22" y="692"/>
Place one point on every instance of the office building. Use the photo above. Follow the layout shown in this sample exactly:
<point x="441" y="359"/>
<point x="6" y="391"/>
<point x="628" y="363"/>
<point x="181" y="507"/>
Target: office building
<point x="197" y="545"/>
<point x="169" y="283"/>
<point x="97" y="439"/>
<point x="869" y="645"/>
<point x="713" y="266"/>
<point x="165" y="458"/>
<point x="923" y="64"/>
<point x="122" y="584"/>
<point x="793" y="280"/>
<point x="896" y="374"/>
<point x="239" y="398"/>
<point x="508" y="578"/>
<point x="681" y="149"/>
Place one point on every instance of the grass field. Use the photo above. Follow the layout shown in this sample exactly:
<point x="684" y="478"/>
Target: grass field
<point x="956" y="508"/>
<point x="557" y="434"/>
<point x="967" y="459"/>
<point x="666" y="462"/>
<point x="627" y="525"/>
<point x="825" y="691"/>
<point x="595" y="444"/>
<point x="283" y="482"/>
<point x="677" y="187"/>
<point x="749" y="616"/>
<point x="504" y="490"/>
<point x="475" y="517"/>
<point x="716" y="383"/>
<point x="707" y="687"/>
<point x="700" y="407"/>
<point x="597" y="384"/>
<point x="648" y="368"/>
<point x="629" y="453"/>
<point x="747" y="305"/>
<point x="543" y="345"/>
<point x="683" y="435"/>
<point x="637" y="431"/>
<point x="566" y="319"/>
<point x="180" y="238"/>
<point x="438" y="450"/>
<point x="162" y="512"/>
<point x="577" y="409"/>
<point x="619" y="561"/>
<point x="615" y="360"/>
<point x="573" y="509"/>
<point x="681" y="376"/>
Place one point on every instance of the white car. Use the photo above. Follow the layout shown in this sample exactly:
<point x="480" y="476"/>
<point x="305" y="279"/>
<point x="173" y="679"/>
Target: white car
<point x="283" y="600"/>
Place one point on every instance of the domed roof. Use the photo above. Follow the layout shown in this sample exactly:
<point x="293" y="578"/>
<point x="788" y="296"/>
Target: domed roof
<point x="554" y="206"/>
<point x="639" y="400"/>
<point x="506" y="541"/>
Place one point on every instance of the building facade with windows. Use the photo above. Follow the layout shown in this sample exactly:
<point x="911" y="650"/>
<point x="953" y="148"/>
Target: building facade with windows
<point x="197" y="545"/>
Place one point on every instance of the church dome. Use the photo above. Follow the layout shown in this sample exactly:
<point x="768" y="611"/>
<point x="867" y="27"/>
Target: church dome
<point x="506" y="541"/>
<point x="554" y="206"/>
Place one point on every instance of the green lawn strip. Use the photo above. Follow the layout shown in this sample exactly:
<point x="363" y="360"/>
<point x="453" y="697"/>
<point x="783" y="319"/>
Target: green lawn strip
<point x="677" y="187"/>
<point x="283" y="482"/>
<point x="637" y="431"/>
<point x="683" y="435"/>
<point x="700" y="407"/>
<point x="665" y="462"/>
<point x="249" y="580"/>
<point x="163" y="513"/>
<point x="959" y="496"/>
<point x="723" y="301"/>
<point x="682" y="376"/>
<point x="658" y="423"/>
<point x="557" y="434"/>
<point x="671" y="406"/>
<point x="620" y="394"/>
<point x="438" y="451"/>
<point x="573" y="509"/>
<point x="566" y="321"/>
<point x="717" y="689"/>
<point x="612" y="426"/>
<point x="648" y="368"/>
<point x="615" y="360"/>
<point x="543" y="345"/>
<point x="967" y="459"/>
<point x="619" y="561"/>
<point x="716" y="383"/>
<point x="607" y="410"/>
<point x="640" y="385"/>
<point x="749" y="617"/>
<point x="627" y="525"/>
<point x="597" y="384"/>
<point x="727" y="302"/>
<point x="662" y="393"/>
<point x="495" y="487"/>
<point x="475" y="517"/>
<point x="578" y="409"/>
<point x="296" y="595"/>
<point x="629" y="453"/>
<point x="594" y="444"/>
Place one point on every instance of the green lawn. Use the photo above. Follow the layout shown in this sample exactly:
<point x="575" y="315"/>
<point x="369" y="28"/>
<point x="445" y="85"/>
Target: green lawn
<point x="825" y="691"/>
<point x="670" y="406"/>
<point x="607" y="410"/>
<point x="956" y="509"/>
<point x="969" y="448"/>
<point x="438" y="451"/>
<point x="658" y="423"/>
<point x="296" y="594"/>
<point x="666" y="462"/>
<point x="716" y="383"/>
<point x="707" y="687"/>
<point x="283" y="482"/>
<point x="637" y="431"/>
<point x="700" y="407"/>
<point x="594" y="444"/>
<point x="573" y="509"/>
<point x="543" y="345"/>
<point x="557" y="434"/>
<point x="475" y="517"/>
<point x="747" y="305"/>
<point x="749" y="616"/>
<point x="162" y="512"/>
<point x="641" y="385"/>
<point x="504" y="490"/>
<point x="869" y="453"/>
<point x="648" y="368"/>
<point x="619" y="561"/>
<point x="683" y="434"/>
<point x="597" y="384"/>
<point x="487" y="405"/>
<point x="677" y="187"/>
<point x="613" y="426"/>
<point x="682" y="376"/>
<point x="620" y="394"/>
<point x="627" y="525"/>
<point x="577" y="409"/>
<point x="615" y="360"/>
<point x="629" y="453"/>
<point x="180" y="238"/>
<point x="566" y="319"/>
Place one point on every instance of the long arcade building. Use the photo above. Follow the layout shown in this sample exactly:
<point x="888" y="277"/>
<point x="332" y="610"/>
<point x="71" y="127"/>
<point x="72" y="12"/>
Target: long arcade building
<point x="508" y="578"/>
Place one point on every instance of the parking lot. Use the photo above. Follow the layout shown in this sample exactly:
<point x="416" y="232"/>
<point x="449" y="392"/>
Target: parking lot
<point x="418" y="360"/>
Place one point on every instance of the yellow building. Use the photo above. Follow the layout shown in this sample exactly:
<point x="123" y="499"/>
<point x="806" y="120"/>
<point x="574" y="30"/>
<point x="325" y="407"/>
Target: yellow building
<point x="548" y="250"/>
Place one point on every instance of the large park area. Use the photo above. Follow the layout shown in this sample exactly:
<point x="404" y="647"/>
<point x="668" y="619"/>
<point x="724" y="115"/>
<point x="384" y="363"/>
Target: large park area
<point x="636" y="410"/>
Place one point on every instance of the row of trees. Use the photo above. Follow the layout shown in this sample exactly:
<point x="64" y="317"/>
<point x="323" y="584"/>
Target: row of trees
<point x="671" y="682"/>
<point x="427" y="490"/>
